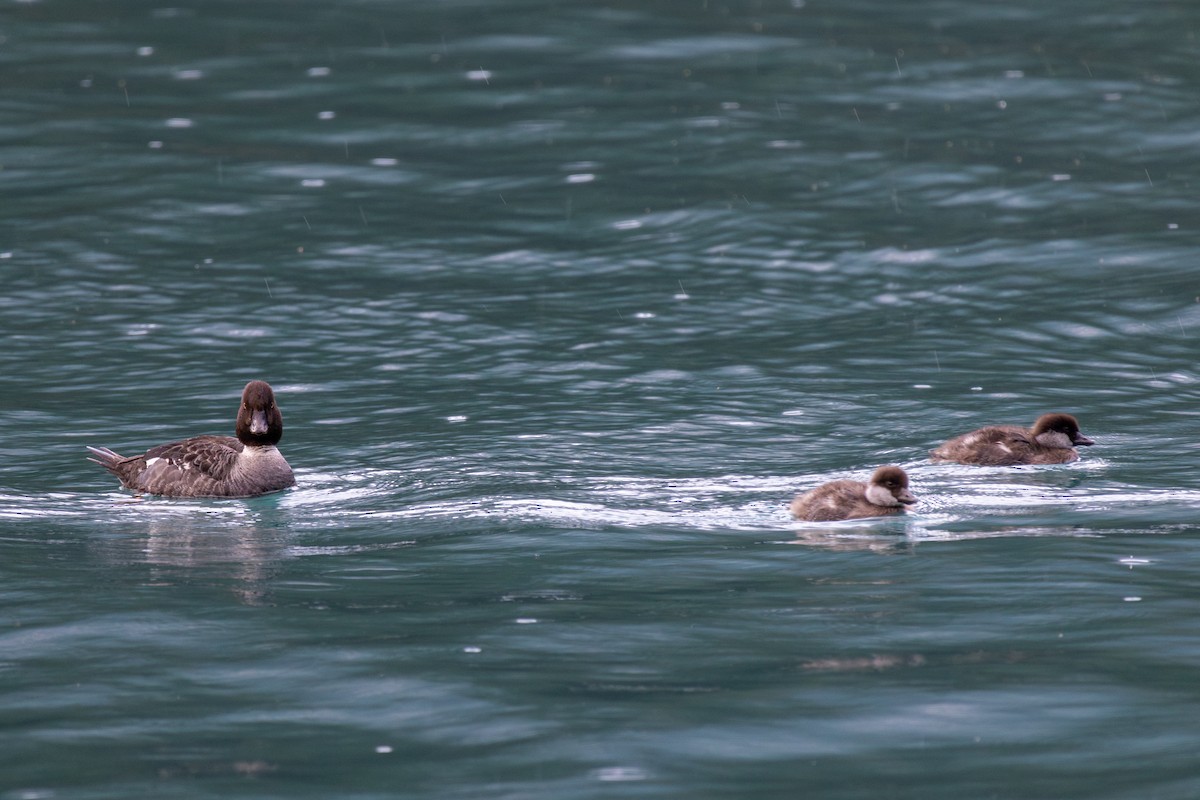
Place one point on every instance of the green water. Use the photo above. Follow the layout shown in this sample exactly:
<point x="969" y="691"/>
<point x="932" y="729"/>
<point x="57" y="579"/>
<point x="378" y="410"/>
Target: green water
<point x="562" y="303"/>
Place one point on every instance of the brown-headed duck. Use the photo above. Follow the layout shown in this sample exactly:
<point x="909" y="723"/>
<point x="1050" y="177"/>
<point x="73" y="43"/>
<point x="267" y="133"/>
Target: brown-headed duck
<point x="213" y="466"/>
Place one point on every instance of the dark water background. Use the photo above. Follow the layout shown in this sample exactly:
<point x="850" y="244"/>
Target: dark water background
<point x="563" y="301"/>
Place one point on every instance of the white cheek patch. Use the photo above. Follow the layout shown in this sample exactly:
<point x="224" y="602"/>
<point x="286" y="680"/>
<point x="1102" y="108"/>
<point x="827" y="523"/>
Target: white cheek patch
<point x="880" y="496"/>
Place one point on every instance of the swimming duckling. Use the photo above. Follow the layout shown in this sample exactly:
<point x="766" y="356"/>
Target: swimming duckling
<point x="1051" y="440"/>
<point x="884" y="495"/>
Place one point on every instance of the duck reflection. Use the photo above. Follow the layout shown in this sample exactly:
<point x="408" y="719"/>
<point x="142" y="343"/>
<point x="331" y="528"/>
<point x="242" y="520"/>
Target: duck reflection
<point x="887" y="538"/>
<point x="235" y="547"/>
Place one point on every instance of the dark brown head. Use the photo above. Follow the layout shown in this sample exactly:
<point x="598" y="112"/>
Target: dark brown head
<point x="259" y="422"/>
<point x="1059" y="430"/>
<point x="889" y="487"/>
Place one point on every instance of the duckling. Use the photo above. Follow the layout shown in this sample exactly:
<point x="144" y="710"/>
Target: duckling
<point x="884" y="495"/>
<point x="1052" y="440"/>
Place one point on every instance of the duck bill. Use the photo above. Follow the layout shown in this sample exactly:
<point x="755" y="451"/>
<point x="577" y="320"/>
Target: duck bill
<point x="907" y="498"/>
<point x="258" y="422"/>
<point x="1082" y="441"/>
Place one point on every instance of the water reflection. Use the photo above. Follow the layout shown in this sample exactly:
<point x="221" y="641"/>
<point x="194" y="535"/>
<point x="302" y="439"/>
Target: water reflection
<point x="894" y="540"/>
<point x="228" y="545"/>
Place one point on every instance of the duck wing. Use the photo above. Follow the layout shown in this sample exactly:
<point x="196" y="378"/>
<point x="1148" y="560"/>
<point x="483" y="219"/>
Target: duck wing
<point x="836" y="500"/>
<point x="194" y="467"/>
<point x="993" y="446"/>
<point x="213" y="456"/>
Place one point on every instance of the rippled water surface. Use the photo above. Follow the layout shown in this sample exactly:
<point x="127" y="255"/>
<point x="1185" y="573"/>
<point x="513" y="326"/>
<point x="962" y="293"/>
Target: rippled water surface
<point x="563" y="302"/>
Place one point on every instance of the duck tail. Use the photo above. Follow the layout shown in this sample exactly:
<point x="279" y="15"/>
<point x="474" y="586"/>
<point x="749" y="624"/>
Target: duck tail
<point x="105" y="458"/>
